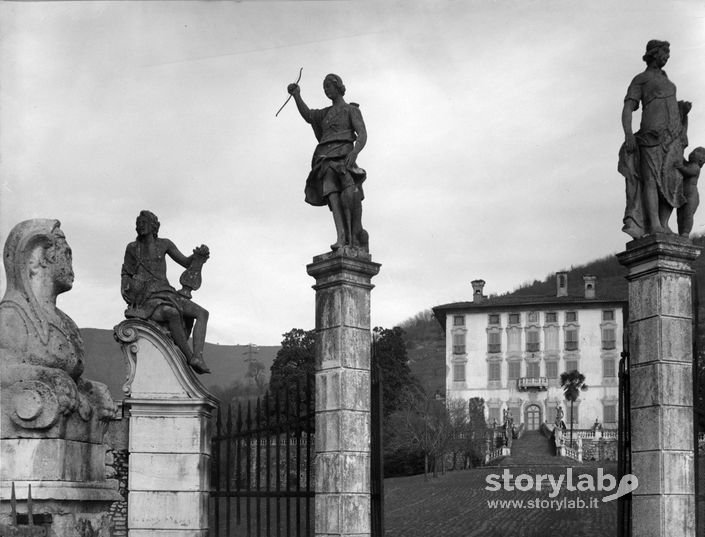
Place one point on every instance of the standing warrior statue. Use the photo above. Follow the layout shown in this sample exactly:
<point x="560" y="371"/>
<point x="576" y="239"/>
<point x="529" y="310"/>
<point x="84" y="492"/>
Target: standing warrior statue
<point x="335" y="179"/>
<point x="649" y="159"/>
<point x="149" y="296"/>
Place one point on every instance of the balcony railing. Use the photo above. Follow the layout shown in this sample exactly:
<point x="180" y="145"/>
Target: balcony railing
<point x="494" y="347"/>
<point x="571" y="345"/>
<point x="458" y="349"/>
<point x="609" y="344"/>
<point x="533" y="347"/>
<point x="532" y="383"/>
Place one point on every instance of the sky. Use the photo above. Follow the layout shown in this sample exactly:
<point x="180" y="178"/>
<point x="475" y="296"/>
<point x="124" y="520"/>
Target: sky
<point x="493" y="133"/>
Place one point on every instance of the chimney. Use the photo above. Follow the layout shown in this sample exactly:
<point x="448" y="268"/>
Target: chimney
<point x="561" y="284"/>
<point x="477" y="287"/>
<point x="590" y="286"/>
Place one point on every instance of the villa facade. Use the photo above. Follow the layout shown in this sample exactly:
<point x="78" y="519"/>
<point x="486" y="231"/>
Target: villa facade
<point x="511" y="351"/>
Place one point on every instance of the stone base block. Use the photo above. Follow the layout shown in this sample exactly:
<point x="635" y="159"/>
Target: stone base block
<point x="50" y="459"/>
<point x="343" y="389"/>
<point x="342" y="429"/>
<point x="162" y="510"/>
<point x="63" y="491"/>
<point x="662" y="427"/>
<point x="168" y="533"/>
<point x="342" y="514"/>
<point x="657" y="339"/>
<point x="70" y="524"/>
<point x="161" y="433"/>
<point x="664" y="472"/>
<point x="344" y="348"/>
<point x="664" y="383"/>
<point x="169" y="471"/>
<point x="656" y="516"/>
<point x="343" y="472"/>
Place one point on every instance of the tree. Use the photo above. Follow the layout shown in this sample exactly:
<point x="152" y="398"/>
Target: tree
<point x="389" y="350"/>
<point x="572" y="382"/>
<point x="293" y="370"/>
<point x="295" y="360"/>
<point x="422" y="423"/>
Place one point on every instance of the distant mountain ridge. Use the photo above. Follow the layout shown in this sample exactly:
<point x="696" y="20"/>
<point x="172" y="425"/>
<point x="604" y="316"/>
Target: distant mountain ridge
<point x="105" y="362"/>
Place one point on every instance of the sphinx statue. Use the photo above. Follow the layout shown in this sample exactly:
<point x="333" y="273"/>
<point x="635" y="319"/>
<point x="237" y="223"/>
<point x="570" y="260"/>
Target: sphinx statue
<point x="41" y="350"/>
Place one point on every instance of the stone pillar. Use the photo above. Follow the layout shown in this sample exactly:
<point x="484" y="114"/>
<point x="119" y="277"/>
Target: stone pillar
<point x="661" y="377"/>
<point x="170" y="433"/>
<point x="343" y="392"/>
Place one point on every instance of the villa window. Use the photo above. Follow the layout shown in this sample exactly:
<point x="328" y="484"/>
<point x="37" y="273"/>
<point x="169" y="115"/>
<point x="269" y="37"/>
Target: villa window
<point x="551" y="317"/>
<point x="533" y="370"/>
<point x="494" y="372"/>
<point x="458" y="343"/>
<point x="576" y="414"/>
<point x="609" y="414"/>
<point x="551" y="335"/>
<point x="493" y="318"/>
<point x="458" y="320"/>
<point x="514" y="318"/>
<point x="571" y="339"/>
<point x="609" y="368"/>
<point x="532" y="341"/>
<point x="514" y="340"/>
<point x="552" y="369"/>
<point x="459" y="372"/>
<point x="533" y="317"/>
<point x="494" y="415"/>
<point x="571" y="316"/>
<point x="514" y="370"/>
<point x="608" y="315"/>
<point x="609" y="340"/>
<point x="494" y="342"/>
<point x="571" y="365"/>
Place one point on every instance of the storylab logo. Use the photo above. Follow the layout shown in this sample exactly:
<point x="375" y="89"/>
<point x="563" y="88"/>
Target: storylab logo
<point x="603" y="482"/>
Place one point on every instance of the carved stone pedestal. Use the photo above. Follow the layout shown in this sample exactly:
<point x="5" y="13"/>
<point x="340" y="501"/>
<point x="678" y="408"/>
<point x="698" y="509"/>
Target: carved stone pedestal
<point x="170" y="433"/>
<point x="343" y="392"/>
<point x="661" y="377"/>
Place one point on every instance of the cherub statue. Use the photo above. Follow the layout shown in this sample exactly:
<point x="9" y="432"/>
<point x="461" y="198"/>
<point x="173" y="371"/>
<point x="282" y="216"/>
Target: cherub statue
<point x="149" y="295"/>
<point x="691" y="171"/>
<point x="335" y="179"/>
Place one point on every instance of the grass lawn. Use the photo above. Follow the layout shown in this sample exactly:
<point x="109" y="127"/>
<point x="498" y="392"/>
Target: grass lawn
<point x="457" y="504"/>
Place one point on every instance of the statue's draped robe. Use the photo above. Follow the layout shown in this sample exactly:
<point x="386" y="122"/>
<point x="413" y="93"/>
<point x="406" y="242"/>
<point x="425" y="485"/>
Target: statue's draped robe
<point x="148" y="286"/>
<point x="334" y="130"/>
<point x="660" y="140"/>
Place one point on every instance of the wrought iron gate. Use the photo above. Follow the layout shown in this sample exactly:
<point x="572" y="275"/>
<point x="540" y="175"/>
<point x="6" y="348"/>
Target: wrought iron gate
<point x="624" y="462"/>
<point x="262" y="472"/>
<point x="377" y="455"/>
<point x="262" y="467"/>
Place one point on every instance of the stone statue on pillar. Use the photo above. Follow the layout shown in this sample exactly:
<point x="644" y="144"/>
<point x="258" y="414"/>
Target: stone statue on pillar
<point x="41" y="350"/>
<point x="559" y="417"/>
<point x="150" y="297"/>
<point x="335" y="179"/>
<point x="651" y="160"/>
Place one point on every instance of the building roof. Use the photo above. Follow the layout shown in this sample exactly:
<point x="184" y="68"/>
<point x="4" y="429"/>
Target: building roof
<point x="516" y="303"/>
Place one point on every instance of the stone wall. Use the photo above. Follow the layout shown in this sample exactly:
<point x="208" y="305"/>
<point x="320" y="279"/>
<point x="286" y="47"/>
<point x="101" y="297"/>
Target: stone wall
<point x="603" y="449"/>
<point x="116" y="467"/>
